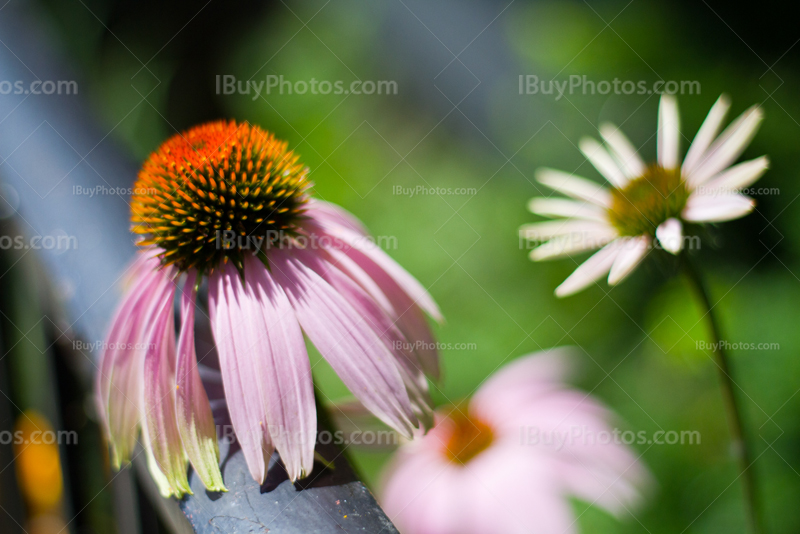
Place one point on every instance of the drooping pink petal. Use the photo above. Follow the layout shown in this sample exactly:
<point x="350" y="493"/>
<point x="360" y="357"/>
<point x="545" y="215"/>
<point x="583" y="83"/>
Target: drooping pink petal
<point x="284" y="368"/>
<point x="397" y="300"/>
<point x="238" y="338"/>
<point x="410" y="285"/>
<point x="120" y="374"/>
<point x="193" y="412"/>
<point x="118" y="333"/>
<point x="158" y="391"/>
<point x="381" y="323"/>
<point x="346" y="341"/>
<point x="333" y="214"/>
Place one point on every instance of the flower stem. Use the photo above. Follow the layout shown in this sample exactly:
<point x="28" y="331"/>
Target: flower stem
<point x="734" y="415"/>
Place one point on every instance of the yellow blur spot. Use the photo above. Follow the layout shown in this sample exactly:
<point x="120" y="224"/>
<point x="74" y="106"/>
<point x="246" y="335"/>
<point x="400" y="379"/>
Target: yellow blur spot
<point x="38" y="464"/>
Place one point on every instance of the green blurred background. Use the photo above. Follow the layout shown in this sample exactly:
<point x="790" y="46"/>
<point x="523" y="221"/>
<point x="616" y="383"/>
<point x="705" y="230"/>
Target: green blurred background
<point x="458" y="120"/>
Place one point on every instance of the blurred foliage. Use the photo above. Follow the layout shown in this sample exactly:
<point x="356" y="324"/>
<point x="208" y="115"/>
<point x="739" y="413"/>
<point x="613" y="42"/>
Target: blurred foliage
<point x="640" y="339"/>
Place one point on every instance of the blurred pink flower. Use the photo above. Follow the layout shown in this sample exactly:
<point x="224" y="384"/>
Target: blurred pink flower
<point x="314" y="271"/>
<point x="509" y="460"/>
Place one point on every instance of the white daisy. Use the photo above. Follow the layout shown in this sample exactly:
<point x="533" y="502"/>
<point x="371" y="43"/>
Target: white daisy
<point x="646" y="205"/>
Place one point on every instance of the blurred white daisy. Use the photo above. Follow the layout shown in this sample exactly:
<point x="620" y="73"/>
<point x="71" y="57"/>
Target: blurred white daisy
<point x="646" y="205"/>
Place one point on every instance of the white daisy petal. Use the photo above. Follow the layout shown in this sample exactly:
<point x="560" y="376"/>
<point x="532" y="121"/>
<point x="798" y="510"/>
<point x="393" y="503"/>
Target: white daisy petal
<point x="559" y="207"/>
<point x="706" y="134"/>
<point x="631" y="253"/>
<point x="549" y="229"/>
<point x="572" y="243"/>
<point x="591" y="270"/>
<point x="668" y="132"/>
<point x="728" y="146"/>
<point x="602" y="161"/>
<point x="629" y="160"/>
<point x="574" y="186"/>
<point x="670" y="235"/>
<point x="717" y="208"/>
<point x="737" y="177"/>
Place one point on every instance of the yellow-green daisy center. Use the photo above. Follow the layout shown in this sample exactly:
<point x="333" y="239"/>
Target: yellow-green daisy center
<point x="647" y="201"/>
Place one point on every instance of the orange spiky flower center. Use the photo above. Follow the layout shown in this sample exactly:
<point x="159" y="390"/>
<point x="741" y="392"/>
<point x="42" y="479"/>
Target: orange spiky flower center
<point x="469" y="437"/>
<point x="216" y="192"/>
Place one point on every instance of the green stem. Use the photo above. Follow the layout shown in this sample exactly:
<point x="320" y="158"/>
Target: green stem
<point x="732" y="408"/>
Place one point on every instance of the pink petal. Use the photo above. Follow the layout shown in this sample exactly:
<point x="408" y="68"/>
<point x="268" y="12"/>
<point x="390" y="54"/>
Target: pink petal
<point x="335" y="215"/>
<point x="380" y="323"/>
<point x="120" y="376"/>
<point x="158" y="392"/>
<point x="409" y="284"/>
<point x="284" y="367"/>
<point x="346" y="341"/>
<point x="423" y="494"/>
<point x="391" y="295"/>
<point x="239" y="341"/>
<point x="194" y="417"/>
<point x="531" y="372"/>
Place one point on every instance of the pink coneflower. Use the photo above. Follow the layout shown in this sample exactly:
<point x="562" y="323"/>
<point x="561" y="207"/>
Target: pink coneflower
<point x="509" y="460"/>
<point x="646" y="204"/>
<point x="229" y="203"/>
